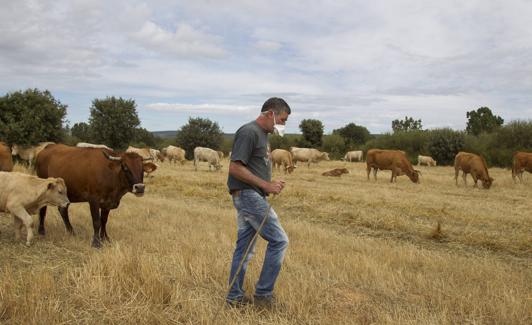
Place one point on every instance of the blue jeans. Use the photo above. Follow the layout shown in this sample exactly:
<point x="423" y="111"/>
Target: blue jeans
<point x="251" y="208"/>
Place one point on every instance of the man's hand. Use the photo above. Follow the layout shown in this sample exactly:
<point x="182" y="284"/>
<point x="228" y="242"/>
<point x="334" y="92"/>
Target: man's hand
<point x="274" y="187"/>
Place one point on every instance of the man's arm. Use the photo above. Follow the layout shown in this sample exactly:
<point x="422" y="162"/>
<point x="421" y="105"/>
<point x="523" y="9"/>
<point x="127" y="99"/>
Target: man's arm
<point x="240" y="172"/>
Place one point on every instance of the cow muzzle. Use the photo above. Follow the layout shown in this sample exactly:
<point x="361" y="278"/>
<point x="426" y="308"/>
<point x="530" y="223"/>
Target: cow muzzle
<point x="138" y="189"/>
<point x="65" y="204"/>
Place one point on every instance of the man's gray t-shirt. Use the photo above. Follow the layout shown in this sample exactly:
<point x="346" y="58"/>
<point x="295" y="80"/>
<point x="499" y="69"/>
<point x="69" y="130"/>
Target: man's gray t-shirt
<point x="251" y="148"/>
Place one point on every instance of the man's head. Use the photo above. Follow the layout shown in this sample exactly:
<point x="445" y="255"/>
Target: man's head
<point x="274" y="111"/>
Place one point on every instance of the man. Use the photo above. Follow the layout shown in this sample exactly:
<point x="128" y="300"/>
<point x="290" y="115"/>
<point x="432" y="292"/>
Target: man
<point x="249" y="182"/>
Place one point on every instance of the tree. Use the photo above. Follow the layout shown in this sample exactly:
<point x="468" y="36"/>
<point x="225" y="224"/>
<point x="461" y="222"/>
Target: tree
<point x="199" y="132"/>
<point x="408" y="124"/>
<point x="482" y="120"/>
<point x="444" y="144"/>
<point x="312" y="132"/>
<point x="32" y="116"/>
<point x="81" y="131"/>
<point x="353" y="135"/>
<point x="334" y="144"/>
<point x="144" y="138"/>
<point x="113" y="121"/>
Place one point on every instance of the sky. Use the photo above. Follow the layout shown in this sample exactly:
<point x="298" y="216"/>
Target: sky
<point x="366" y="62"/>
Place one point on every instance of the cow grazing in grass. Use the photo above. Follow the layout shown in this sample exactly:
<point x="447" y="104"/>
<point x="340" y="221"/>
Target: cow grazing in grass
<point x="394" y="160"/>
<point x="23" y="195"/>
<point x="281" y="157"/>
<point x="208" y="155"/>
<point x="470" y="163"/>
<point x="308" y="155"/>
<point x="355" y="155"/>
<point x="174" y="154"/>
<point x="97" y="176"/>
<point x="426" y="160"/>
<point x="522" y="161"/>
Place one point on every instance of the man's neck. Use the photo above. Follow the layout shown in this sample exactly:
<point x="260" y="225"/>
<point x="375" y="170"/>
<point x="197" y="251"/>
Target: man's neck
<point x="262" y="122"/>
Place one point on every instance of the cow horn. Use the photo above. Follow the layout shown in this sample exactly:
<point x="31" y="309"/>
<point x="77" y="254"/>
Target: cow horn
<point x="111" y="157"/>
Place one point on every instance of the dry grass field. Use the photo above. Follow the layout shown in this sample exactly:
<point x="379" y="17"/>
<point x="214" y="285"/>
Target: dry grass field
<point x="360" y="252"/>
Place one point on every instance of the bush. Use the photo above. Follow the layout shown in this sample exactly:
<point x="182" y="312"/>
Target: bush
<point x="412" y="142"/>
<point x="334" y="144"/>
<point x="444" y="144"/>
<point x="199" y="132"/>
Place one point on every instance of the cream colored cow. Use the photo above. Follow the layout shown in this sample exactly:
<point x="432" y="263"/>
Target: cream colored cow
<point x="23" y="195"/>
<point x="28" y="153"/>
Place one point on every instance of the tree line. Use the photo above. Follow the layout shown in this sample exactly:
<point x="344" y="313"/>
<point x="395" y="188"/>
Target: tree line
<point x="32" y="116"/>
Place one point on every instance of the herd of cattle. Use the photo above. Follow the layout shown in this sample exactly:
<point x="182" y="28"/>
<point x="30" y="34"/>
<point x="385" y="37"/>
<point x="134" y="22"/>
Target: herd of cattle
<point x="98" y="175"/>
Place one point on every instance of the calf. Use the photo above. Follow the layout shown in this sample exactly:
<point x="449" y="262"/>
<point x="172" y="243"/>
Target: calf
<point x="337" y="172"/>
<point x="23" y="195"/>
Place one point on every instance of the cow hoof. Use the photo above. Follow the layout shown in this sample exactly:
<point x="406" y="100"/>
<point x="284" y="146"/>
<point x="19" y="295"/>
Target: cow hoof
<point x="28" y="244"/>
<point x="96" y="244"/>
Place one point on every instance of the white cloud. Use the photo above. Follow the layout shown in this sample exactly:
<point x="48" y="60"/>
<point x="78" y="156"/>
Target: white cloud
<point x="185" y="41"/>
<point x="269" y="46"/>
<point x="200" y="108"/>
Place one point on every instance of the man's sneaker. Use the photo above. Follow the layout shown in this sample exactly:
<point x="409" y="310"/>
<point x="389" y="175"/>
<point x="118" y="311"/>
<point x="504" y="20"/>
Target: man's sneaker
<point x="240" y="302"/>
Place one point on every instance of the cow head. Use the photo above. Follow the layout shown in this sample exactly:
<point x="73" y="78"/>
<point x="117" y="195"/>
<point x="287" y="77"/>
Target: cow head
<point x="14" y="150"/>
<point x="56" y="192"/>
<point x="487" y="183"/>
<point x="290" y="169"/>
<point x="415" y="176"/>
<point x="325" y="156"/>
<point x="132" y="168"/>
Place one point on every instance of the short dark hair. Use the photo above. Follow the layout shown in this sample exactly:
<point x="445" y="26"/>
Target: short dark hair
<point x="276" y="105"/>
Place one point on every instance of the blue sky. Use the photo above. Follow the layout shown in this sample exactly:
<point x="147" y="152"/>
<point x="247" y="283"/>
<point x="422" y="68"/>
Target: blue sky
<point x="366" y="62"/>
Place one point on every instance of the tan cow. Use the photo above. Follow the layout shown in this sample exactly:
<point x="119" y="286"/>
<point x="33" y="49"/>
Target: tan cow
<point x="522" y="161"/>
<point x="355" y="155"/>
<point x="157" y="155"/>
<point x="394" y="160"/>
<point x="23" y="195"/>
<point x="28" y="153"/>
<point x="337" y="172"/>
<point x="145" y="153"/>
<point x="221" y="154"/>
<point x="425" y="160"/>
<point x="6" y="160"/>
<point x="208" y="155"/>
<point x="92" y="145"/>
<point x="308" y="155"/>
<point x="174" y="154"/>
<point x="281" y="157"/>
<point x="470" y="163"/>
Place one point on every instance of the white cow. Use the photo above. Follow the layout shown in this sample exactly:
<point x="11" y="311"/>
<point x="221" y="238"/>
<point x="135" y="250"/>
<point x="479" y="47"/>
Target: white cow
<point x="23" y="195"/>
<point x="308" y="155"/>
<point x="208" y="155"/>
<point x="281" y="157"/>
<point x="174" y="154"/>
<point x="425" y="160"/>
<point x="354" y="155"/>
<point x="92" y="145"/>
<point x="28" y="153"/>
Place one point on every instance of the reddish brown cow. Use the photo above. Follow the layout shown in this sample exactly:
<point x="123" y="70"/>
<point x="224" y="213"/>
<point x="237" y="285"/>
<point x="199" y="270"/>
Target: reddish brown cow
<point x="6" y="160"/>
<point x="469" y="163"/>
<point x="337" y="172"/>
<point x="522" y="161"/>
<point x="394" y="160"/>
<point x="97" y="176"/>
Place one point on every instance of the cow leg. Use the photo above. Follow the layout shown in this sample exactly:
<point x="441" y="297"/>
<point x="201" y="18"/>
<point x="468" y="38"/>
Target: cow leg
<point x="375" y="173"/>
<point x="27" y="220"/>
<point x="456" y="172"/>
<point x="42" y="216"/>
<point x="17" y="223"/>
<point x="464" y="176"/>
<point x="368" y="170"/>
<point x="96" y="224"/>
<point x="66" y="219"/>
<point x="103" y="231"/>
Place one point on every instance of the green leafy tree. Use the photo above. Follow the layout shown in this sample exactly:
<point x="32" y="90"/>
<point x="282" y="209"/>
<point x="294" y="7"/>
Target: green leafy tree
<point x="199" y="132"/>
<point x="408" y="124"/>
<point x="482" y="120"/>
<point x="334" y="144"/>
<point x="312" y="132"/>
<point x="144" y="138"/>
<point x="444" y="144"/>
<point x="353" y="135"/>
<point x="32" y="116"/>
<point x="113" y="121"/>
<point x="81" y="131"/>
